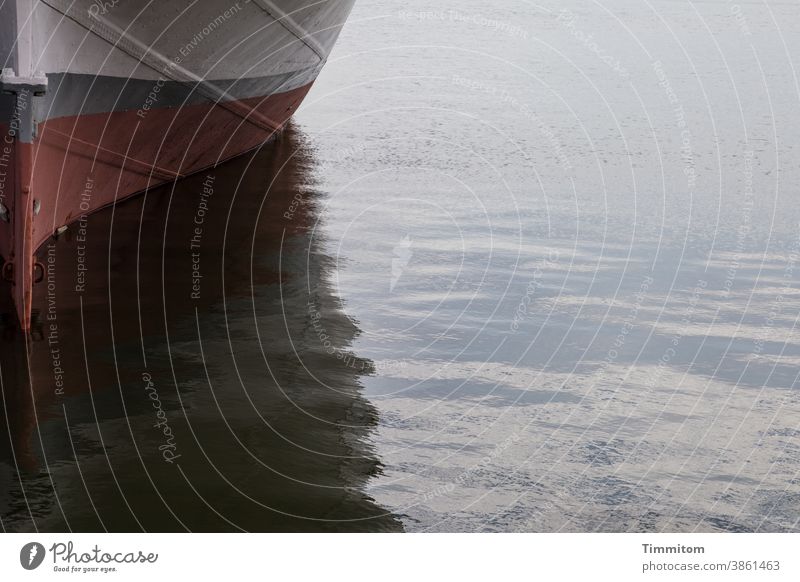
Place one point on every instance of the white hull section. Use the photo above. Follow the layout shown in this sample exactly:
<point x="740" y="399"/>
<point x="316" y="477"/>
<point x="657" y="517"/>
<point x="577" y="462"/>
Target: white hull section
<point x="202" y="39"/>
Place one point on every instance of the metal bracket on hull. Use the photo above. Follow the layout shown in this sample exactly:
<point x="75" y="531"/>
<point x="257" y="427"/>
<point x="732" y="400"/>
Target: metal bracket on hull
<point x="10" y="84"/>
<point x="23" y="88"/>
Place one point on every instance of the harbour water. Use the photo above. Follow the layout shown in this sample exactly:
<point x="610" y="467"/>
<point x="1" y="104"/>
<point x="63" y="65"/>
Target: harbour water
<point x="514" y="267"/>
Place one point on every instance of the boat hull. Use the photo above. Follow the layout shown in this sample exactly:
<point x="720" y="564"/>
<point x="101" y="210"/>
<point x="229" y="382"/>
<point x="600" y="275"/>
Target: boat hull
<point x="106" y="100"/>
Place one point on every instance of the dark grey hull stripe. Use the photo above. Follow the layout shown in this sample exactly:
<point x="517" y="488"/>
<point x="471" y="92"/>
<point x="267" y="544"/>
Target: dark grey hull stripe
<point x="7" y="106"/>
<point x="70" y="95"/>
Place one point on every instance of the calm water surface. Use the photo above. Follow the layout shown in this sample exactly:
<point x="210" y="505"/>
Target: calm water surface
<point x="519" y="267"/>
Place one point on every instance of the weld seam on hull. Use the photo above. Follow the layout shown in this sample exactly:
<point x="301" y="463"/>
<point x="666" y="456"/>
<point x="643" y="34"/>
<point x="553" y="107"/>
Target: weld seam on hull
<point x="287" y="22"/>
<point x="96" y="152"/>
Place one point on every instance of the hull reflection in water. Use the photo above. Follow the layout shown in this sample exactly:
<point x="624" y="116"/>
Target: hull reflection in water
<point x="189" y="368"/>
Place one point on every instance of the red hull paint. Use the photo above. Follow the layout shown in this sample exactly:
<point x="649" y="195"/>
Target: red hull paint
<point x="78" y="165"/>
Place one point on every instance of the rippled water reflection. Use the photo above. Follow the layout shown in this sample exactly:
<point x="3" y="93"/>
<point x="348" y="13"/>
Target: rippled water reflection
<point x="171" y="394"/>
<point x="570" y="234"/>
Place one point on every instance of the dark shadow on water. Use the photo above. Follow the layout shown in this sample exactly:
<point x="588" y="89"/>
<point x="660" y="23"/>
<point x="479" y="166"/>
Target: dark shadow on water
<point x="190" y="368"/>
